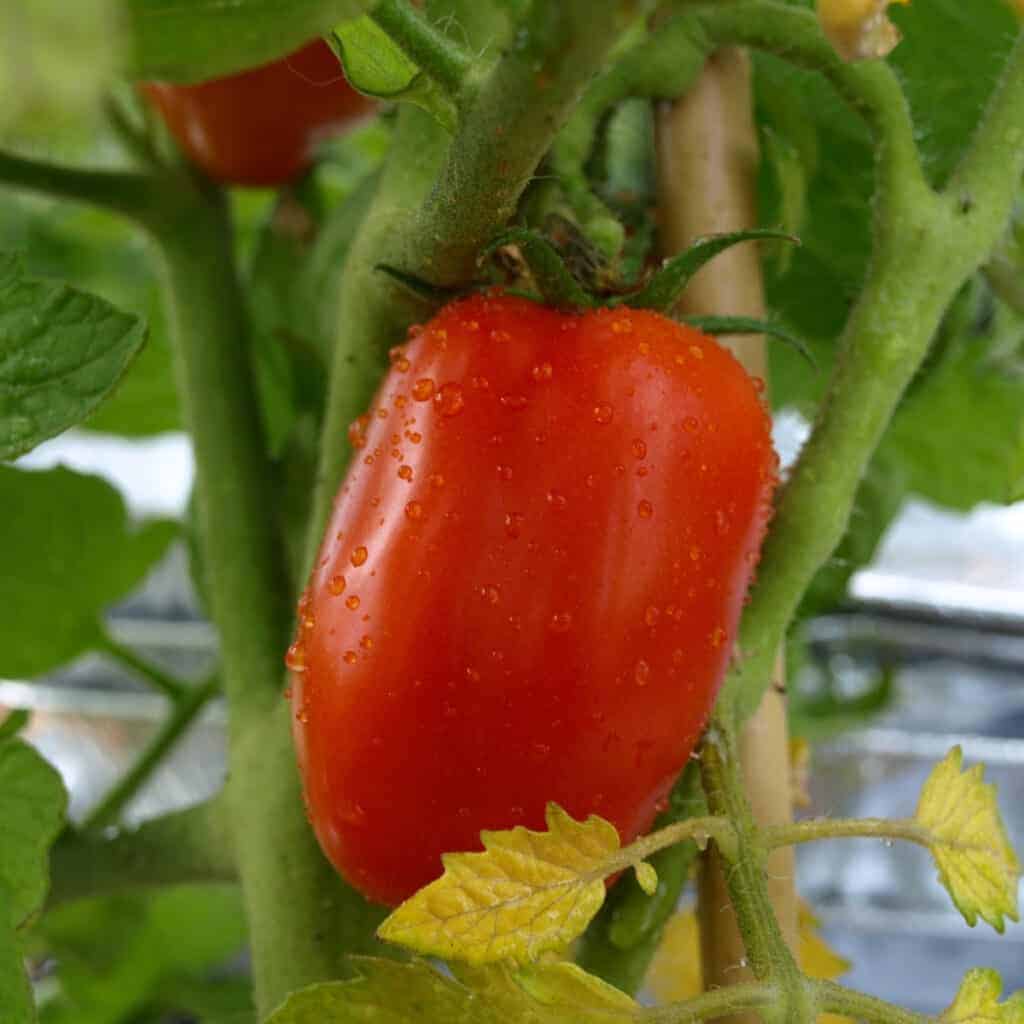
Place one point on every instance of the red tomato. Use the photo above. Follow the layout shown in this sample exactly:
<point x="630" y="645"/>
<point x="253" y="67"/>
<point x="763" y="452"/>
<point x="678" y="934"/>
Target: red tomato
<point x="530" y="584"/>
<point x="260" y="127"/>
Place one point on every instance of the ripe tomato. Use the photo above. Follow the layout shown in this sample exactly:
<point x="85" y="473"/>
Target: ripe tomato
<point x="260" y="127"/>
<point x="530" y="584"/>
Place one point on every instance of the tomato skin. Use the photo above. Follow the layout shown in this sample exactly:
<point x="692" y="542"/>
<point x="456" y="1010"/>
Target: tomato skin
<point x="260" y="127"/>
<point x="530" y="584"/>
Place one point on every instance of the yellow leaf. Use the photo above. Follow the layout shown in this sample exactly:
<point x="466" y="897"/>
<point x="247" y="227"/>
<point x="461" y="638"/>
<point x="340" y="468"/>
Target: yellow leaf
<point x="528" y="893"/>
<point x="646" y="877"/>
<point x="387" y="992"/>
<point x="968" y="840"/>
<point x="676" y="971"/>
<point x="977" y="1001"/>
<point x="858" y="29"/>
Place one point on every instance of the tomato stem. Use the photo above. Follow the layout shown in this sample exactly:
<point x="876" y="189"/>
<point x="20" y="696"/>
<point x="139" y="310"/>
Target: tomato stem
<point x="441" y="58"/>
<point x="846" y="828"/>
<point x="173" y="689"/>
<point x="184" y="712"/>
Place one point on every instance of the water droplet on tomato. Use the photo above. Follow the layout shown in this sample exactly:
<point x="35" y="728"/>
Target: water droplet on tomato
<point x="513" y="402"/>
<point x="591" y="480"/>
<point x="504" y="473"/>
<point x="651" y="615"/>
<point x="641" y="673"/>
<point x="759" y="385"/>
<point x="690" y="423"/>
<point x="639" y="448"/>
<point x="697" y="352"/>
<point x="359" y="556"/>
<point x="366" y="642"/>
<point x="560" y="622"/>
<point x="490" y="593"/>
<point x="513" y="525"/>
<point x="413" y="510"/>
<point x="542" y="371"/>
<point x="396" y="356"/>
<point x="436" y="480"/>
<point x="645" y="509"/>
<point x="678" y="656"/>
<point x="352" y="602"/>
<point x="717" y="636"/>
<point x="643" y="348"/>
<point x="695" y="553"/>
<point x="405" y="472"/>
<point x="414" y="331"/>
<point x="295" y="658"/>
<point x="357" y="432"/>
<point x="423" y="389"/>
<point x="472" y="675"/>
<point x="603" y="413"/>
<point x="349" y="657"/>
<point x="336" y="584"/>
<point x="414" y="436"/>
<point x="556" y="500"/>
<point x="449" y="400"/>
<point x="480" y="383"/>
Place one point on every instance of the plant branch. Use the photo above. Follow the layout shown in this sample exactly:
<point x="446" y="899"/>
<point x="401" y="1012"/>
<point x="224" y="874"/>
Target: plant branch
<point x="174" y="689"/>
<point x="847" y="828"/>
<point x="442" y="199"/>
<point x="126" y="193"/>
<point x="699" y="830"/>
<point x="193" y="845"/>
<point x="430" y="49"/>
<point x="184" y="711"/>
<point x="833" y="998"/>
<point x="722" y="1002"/>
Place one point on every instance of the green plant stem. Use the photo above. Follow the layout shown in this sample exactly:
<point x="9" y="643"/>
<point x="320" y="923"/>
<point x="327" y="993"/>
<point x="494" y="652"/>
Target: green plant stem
<point x="193" y="845"/>
<point x="767" y="953"/>
<point x="834" y="998"/>
<point x="300" y="914"/>
<point x="846" y="828"/>
<point x="926" y="245"/>
<point x="722" y="1002"/>
<point x="441" y="58"/>
<point x="174" y="689"/>
<point x="699" y="830"/>
<point x="183" y="712"/>
<point x="442" y="200"/>
<point x="125" y="193"/>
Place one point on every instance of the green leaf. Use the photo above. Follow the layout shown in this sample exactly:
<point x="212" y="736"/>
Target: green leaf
<point x="32" y="807"/>
<point x="152" y="946"/>
<point x="68" y="551"/>
<point x="750" y="325"/>
<point x="375" y="65"/>
<point x="949" y="61"/>
<point x="950" y="454"/>
<point x="192" y="40"/>
<point x="61" y="352"/>
<point x="16" y="1003"/>
<point x="411" y="993"/>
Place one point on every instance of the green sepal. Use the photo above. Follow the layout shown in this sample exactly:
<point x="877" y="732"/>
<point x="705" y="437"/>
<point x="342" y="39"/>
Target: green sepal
<point x="555" y="282"/>
<point x="662" y="290"/>
<point x="432" y="295"/>
<point x="749" y="325"/>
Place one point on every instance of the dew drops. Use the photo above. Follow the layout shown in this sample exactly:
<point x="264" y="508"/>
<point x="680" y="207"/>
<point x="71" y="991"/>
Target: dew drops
<point x="414" y="331"/>
<point x="513" y="525"/>
<point x="423" y="389"/>
<point x="591" y="480"/>
<point x="678" y="656"/>
<point x="695" y="553"/>
<point x="603" y="413"/>
<point x="436" y="480"/>
<point x="644" y="348"/>
<point x="398" y="360"/>
<point x="349" y="657"/>
<point x="450" y="400"/>
<point x="366" y="642"/>
<point x="645" y="509"/>
<point x="556" y="500"/>
<point x="336" y="584"/>
<point x="717" y="637"/>
<point x="500" y="336"/>
<point x="413" y="510"/>
<point x="352" y="602"/>
<point x="542" y="371"/>
<point x="490" y="593"/>
<point x="472" y="674"/>
<point x="651" y="615"/>
<point x="504" y="473"/>
<point x="639" y="448"/>
<point x="513" y="402"/>
<point x="414" y="436"/>
<point x="405" y="472"/>
<point x="690" y="423"/>
<point x="641" y="673"/>
<point x="480" y="383"/>
<point x="359" y="556"/>
<point x="697" y="352"/>
<point x="560" y="622"/>
<point x="357" y="432"/>
<point x="295" y="658"/>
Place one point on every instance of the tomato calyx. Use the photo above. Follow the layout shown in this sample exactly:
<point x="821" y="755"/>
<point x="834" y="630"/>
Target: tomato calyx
<point x="559" y="271"/>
